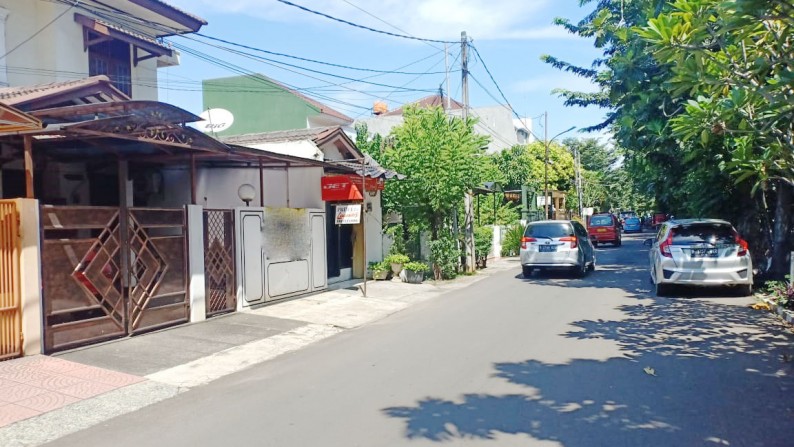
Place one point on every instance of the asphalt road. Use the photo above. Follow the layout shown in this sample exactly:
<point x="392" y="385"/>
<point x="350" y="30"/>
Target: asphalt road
<point x="547" y="361"/>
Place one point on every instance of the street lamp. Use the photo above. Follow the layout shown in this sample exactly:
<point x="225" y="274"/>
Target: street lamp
<point x="546" y="162"/>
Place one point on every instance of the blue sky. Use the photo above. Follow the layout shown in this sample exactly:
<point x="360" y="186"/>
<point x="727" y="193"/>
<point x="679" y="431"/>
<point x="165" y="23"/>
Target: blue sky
<point x="510" y="35"/>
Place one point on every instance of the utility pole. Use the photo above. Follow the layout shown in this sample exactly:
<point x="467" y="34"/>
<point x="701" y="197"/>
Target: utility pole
<point x="579" y="182"/>
<point x="467" y="200"/>
<point x="446" y="76"/>
<point x="546" y="165"/>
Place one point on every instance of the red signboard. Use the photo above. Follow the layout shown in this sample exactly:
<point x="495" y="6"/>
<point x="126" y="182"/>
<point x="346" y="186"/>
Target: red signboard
<point x="347" y="187"/>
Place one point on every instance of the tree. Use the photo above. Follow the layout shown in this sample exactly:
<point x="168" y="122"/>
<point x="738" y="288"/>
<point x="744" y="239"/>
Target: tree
<point x="734" y="59"/>
<point x="442" y="159"/>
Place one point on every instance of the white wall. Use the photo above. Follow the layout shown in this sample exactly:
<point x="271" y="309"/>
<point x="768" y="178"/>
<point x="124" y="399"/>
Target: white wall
<point x="56" y="54"/>
<point x="217" y="188"/>
<point x="373" y="228"/>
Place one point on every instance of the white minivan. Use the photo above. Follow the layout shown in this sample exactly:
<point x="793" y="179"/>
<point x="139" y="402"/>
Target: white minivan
<point x="554" y="244"/>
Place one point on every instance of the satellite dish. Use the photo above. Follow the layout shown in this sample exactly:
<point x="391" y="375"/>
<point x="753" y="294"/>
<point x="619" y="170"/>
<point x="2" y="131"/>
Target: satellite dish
<point x="215" y="120"/>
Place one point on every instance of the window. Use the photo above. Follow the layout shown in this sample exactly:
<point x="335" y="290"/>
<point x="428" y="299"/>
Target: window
<point x="112" y="58"/>
<point x="548" y="230"/>
<point x="699" y="233"/>
<point x="601" y="221"/>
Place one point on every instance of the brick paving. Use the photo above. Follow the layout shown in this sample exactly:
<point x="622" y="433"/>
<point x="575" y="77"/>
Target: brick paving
<point x="31" y="386"/>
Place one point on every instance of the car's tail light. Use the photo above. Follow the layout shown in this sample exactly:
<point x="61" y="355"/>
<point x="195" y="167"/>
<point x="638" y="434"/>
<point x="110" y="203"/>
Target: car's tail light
<point x="664" y="247"/>
<point x="741" y="243"/>
<point x="525" y="240"/>
<point x="572" y="239"/>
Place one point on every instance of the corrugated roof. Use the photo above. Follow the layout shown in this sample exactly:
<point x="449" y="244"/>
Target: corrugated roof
<point x="427" y="102"/>
<point x="371" y="169"/>
<point x="181" y="11"/>
<point x="317" y="133"/>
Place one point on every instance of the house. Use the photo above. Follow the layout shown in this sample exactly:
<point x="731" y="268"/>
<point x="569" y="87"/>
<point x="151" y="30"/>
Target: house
<point x="58" y="41"/>
<point x="350" y="246"/>
<point x="495" y="122"/>
<point x="256" y="103"/>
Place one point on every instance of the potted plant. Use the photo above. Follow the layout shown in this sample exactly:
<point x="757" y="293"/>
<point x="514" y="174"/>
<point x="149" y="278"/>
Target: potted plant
<point x="396" y="260"/>
<point x="415" y="272"/>
<point x="380" y="270"/>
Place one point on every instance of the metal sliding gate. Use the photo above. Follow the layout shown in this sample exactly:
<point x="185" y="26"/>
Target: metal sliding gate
<point x="108" y="272"/>
<point x="10" y="298"/>
<point x="219" y="264"/>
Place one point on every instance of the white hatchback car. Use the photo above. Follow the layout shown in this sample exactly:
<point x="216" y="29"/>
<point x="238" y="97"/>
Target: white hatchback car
<point x="699" y="252"/>
<point x="556" y="244"/>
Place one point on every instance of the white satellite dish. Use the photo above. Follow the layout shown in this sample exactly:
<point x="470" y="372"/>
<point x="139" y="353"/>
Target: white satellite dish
<point x="215" y="120"/>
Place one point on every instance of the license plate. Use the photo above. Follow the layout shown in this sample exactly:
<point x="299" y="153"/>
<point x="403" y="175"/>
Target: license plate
<point x="704" y="252"/>
<point x="547" y="248"/>
<point x="601" y="230"/>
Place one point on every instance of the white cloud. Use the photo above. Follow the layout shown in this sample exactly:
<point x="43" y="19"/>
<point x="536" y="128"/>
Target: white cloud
<point x="434" y="19"/>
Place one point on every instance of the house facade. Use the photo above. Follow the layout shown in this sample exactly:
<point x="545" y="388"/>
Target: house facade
<point x="495" y="122"/>
<point x="53" y="41"/>
<point x="257" y="104"/>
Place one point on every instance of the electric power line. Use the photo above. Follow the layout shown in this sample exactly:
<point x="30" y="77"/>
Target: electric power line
<point x="307" y="59"/>
<point x="346" y="22"/>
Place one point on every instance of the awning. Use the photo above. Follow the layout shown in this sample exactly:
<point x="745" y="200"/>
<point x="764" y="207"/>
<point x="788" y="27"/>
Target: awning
<point x="13" y="120"/>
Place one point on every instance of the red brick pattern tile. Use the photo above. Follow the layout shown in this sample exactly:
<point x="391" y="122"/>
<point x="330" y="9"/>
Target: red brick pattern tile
<point x="10" y="413"/>
<point x="47" y="401"/>
<point x="30" y="386"/>
<point x="20" y="391"/>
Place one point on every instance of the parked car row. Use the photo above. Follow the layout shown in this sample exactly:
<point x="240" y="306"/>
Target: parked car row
<point x="695" y="252"/>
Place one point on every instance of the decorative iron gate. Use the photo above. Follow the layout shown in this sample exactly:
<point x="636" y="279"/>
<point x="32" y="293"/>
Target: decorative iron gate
<point x="10" y="298"/>
<point x="219" y="266"/>
<point x="99" y="285"/>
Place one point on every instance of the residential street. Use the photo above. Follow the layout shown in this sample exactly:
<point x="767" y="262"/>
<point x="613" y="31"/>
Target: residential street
<point x="551" y="361"/>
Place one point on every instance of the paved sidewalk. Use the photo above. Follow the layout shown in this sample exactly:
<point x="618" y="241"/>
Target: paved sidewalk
<point x="43" y="398"/>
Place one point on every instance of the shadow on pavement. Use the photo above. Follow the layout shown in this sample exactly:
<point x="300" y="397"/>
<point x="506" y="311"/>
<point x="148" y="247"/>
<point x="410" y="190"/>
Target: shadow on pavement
<point x="717" y="381"/>
<point x="693" y="373"/>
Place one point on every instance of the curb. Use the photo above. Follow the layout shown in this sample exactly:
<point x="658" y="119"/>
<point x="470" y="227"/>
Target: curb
<point x="785" y="314"/>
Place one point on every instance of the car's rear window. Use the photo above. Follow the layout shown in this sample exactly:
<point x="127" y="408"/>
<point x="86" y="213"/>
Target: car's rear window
<point x="549" y="229"/>
<point x="632" y="219"/>
<point x="600" y="221"/>
<point x="703" y="233"/>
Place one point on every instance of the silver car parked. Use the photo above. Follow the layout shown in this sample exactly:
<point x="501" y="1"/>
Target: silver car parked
<point x="556" y="244"/>
<point x="699" y="252"/>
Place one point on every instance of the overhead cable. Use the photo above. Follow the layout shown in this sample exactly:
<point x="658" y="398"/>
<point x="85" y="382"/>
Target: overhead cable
<point x="260" y="50"/>
<point x="346" y="22"/>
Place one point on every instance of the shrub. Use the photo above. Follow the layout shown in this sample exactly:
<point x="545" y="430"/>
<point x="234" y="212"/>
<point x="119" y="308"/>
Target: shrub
<point x="483" y="241"/>
<point x="396" y="234"/>
<point x="415" y="266"/>
<point x="511" y="244"/>
<point x="781" y="292"/>
<point x="396" y="258"/>
<point x="444" y="255"/>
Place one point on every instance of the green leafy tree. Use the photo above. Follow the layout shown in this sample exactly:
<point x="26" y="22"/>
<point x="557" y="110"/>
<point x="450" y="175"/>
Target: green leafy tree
<point x="442" y="159"/>
<point x="734" y="61"/>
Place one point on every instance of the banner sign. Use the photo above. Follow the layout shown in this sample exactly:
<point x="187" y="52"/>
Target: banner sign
<point x="336" y="188"/>
<point x="348" y="214"/>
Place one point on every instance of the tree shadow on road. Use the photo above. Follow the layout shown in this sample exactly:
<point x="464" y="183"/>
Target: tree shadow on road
<point x="712" y="378"/>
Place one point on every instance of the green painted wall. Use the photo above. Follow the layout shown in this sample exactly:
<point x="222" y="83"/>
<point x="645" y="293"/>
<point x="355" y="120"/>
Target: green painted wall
<point x="258" y="104"/>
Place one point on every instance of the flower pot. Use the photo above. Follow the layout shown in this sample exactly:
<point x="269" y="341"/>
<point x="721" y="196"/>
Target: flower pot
<point x="396" y="267"/>
<point x="380" y="275"/>
<point x="412" y="277"/>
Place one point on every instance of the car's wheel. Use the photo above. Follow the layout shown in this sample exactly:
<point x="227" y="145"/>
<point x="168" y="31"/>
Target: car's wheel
<point x="595" y="244"/>
<point x="662" y="289"/>
<point x="581" y="270"/>
<point x="744" y="290"/>
<point x="526" y="271"/>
